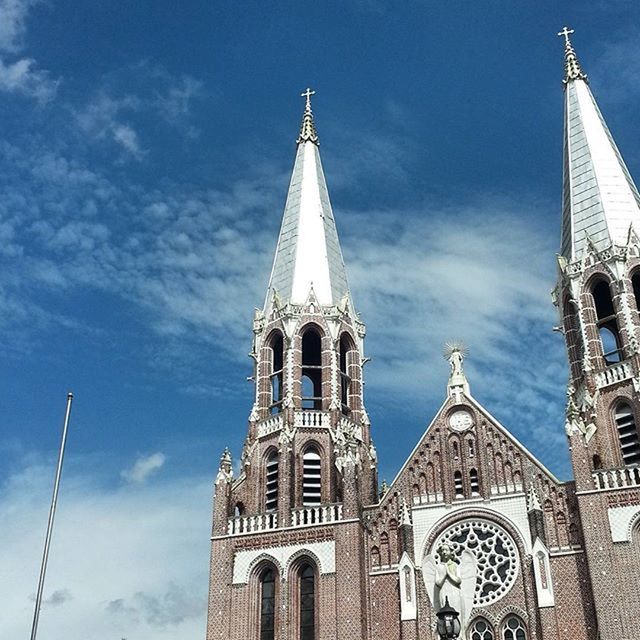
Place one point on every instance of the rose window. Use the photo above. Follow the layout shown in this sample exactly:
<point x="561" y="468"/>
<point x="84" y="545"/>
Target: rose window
<point x="495" y="552"/>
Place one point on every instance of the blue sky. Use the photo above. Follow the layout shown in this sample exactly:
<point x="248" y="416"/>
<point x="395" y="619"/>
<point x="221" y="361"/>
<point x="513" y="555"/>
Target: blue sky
<point x="144" y="160"/>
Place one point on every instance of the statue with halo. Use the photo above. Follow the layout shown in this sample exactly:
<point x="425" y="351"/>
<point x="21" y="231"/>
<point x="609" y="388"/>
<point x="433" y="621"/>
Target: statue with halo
<point x="445" y="578"/>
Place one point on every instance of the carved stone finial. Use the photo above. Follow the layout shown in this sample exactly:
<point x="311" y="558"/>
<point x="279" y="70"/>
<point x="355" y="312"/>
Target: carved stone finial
<point x="308" y="131"/>
<point x="455" y="353"/>
<point x="405" y="514"/>
<point x="225" y="471"/>
<point x="572" y="69"/>
<point x="533" y="501"/>
<point x="384" y="487"/>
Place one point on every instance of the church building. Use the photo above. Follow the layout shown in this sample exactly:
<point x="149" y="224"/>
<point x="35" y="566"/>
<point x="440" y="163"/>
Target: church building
<point x="306" y="545"/>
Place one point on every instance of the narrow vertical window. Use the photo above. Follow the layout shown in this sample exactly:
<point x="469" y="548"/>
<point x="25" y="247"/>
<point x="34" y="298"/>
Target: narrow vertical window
<point x="457" y="483"/>
<point x="345" y="378"/>
<point x="267" y="605"/>
<point x="277" y="377"/>
<point x="311" y="370"/>
<point x="311" y="477"/>
<point x="514" y="629"/>
<point x="628" y="434"/>
<point x="307" y="603"/>
<point x="272" y="482"/>
<point x="473" y="482"/>
<point x="607" y="323"/>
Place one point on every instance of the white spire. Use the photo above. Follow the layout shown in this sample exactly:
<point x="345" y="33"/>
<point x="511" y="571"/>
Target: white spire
<point x="308" y="255"/>
<point x="600" y="200"/>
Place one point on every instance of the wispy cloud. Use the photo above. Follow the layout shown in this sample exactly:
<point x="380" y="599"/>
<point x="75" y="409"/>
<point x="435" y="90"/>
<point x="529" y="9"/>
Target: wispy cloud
<point x="128" y="97"/>
<point x="21" y="76"/>
<point x="143" y="467"/>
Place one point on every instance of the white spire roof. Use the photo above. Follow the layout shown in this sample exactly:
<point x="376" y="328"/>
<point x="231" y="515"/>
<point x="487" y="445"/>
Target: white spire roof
<point x="308" y="254"/>
<point x="600" y="200"/>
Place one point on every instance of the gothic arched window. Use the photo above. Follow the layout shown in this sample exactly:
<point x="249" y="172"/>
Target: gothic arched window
<point x="307" y="582"/>
<point x="267" y="604"/>
<point x="277" y="370"/>
<point x="311" y="370"/>
<point x="311" y="476"/>
<point x="346" y="347"/>
<point x="481" y="630"/>
<point x="271" y="493"/>
<point x="607" y="323"/>
<point x="628" y="434"/>
<point x="514" y="629"/>
<point x="635" y="283"/>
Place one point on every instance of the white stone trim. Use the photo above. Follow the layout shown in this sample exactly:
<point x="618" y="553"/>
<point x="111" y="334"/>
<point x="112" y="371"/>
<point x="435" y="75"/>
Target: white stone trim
<point x="621" y="522"/>
<point x="408" y="595"/>
<point x="324" y="552"/>
<point x="545" y="593"/>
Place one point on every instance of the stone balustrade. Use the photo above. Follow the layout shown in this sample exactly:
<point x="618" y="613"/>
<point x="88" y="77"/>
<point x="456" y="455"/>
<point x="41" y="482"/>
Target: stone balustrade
<point x="321" y="514"/>
<point x="617" y="478"/>
<point x="252" y="524"/>
<point x="271" y="424"/>
<point x="615" y="373"/>
<point x="311" y="418"/>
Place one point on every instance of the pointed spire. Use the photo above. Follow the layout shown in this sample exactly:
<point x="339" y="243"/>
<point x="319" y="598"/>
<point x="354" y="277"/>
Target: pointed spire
<point x="600" y="200"/>
<point x="308" y="254"/>
<point x="572" y="69"/>
<point x="308" y="131"/>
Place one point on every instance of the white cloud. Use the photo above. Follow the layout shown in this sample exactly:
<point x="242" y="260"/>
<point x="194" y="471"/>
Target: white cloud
<point x="118" y="110"/>
<point x="143" y="467"/>
<point x="13" y="18"/>
<point x="130" y="561"/>
<point x="24" y="78"/>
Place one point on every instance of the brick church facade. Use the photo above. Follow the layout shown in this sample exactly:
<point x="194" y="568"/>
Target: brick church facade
<point x="307" y="546"/>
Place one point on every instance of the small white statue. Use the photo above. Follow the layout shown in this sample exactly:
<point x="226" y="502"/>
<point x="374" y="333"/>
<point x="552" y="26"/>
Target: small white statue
<point x="449" y="580"/>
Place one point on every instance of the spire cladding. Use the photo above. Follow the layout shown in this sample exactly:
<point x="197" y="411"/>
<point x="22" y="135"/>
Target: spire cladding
<point x="600" y="200"/>
<point x="308" y="256"/>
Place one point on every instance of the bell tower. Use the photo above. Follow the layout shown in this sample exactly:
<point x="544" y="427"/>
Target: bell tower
<point x="598" y="295"/>
<point x="308" y="464"/>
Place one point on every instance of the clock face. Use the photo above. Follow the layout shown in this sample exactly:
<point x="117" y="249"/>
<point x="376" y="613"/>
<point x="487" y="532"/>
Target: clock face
<point x="460" y="420"/>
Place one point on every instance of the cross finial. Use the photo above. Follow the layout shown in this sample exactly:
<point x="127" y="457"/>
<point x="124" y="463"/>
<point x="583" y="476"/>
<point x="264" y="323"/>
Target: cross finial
<point x="572" y="70"/>
<point x="566" y="32"/>
<point x="308" y="130"/>
<point x="307" y="94"/>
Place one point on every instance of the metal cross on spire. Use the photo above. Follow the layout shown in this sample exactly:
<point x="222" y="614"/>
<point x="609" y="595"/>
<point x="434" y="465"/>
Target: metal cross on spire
<point x="308" y="131"/>
<point x="307" y="94"/>
<point x="566" y="32"/>
<point x="572" y="69"/>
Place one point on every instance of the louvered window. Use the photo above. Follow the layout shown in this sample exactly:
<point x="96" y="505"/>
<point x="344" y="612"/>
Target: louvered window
<point x="473" y="481"/>
<point x="457" y="482"/>
<point x="311" y="477"/>
<point x="272" y="482"/>
<point x="628" y="434"/>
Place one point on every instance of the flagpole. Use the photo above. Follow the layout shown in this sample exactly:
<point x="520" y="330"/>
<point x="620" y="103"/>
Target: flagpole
<point x="52" y="513"/>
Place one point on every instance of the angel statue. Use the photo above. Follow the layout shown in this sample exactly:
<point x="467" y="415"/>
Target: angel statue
<point x="449" y="580"/>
